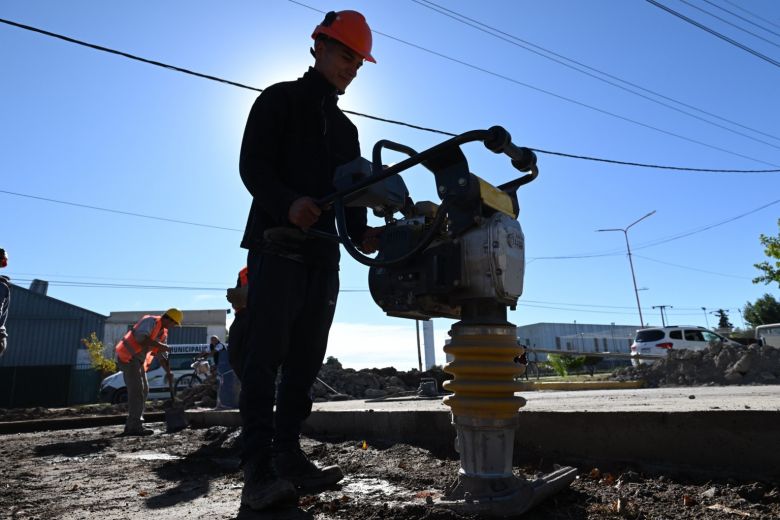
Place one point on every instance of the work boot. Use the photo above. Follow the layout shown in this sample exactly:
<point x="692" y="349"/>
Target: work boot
<point x="293" y="465"/>
<point x="138" y="432"/>
<point x="263" y="488"/>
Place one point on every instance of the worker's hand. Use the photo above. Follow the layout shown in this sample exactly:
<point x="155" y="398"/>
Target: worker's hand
<point x="238" y="296"/>
<point x="304" y="212"/>
<point x="371" y="239"/>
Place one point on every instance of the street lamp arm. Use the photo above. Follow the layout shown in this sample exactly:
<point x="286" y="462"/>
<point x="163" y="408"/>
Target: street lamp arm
<point x="638" y="221"/>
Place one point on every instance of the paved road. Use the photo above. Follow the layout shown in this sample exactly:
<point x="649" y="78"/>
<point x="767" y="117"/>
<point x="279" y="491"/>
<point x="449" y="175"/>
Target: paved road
<point x="687" y="399"/>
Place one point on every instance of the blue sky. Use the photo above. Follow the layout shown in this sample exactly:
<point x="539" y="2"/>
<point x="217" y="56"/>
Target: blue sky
<point x="91" y="128"/>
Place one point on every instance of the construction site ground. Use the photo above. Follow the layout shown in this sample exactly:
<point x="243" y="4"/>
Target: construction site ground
<point x="692" y="452"/>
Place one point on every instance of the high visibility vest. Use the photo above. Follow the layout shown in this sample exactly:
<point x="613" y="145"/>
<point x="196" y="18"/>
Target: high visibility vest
<point x="128" y="347"/>
<point x="243" y="281"/>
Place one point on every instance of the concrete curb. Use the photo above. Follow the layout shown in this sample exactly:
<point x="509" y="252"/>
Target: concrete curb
<point x="714" y="443"/>
<point x="738" y="443"/>
<point x="71" y="423"/>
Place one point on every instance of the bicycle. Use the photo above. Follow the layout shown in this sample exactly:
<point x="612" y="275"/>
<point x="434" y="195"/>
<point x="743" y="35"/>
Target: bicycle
<point x="201" y="369"/>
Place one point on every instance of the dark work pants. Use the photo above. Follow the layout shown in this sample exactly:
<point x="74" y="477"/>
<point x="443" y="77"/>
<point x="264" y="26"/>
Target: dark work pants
<point x="291" y="307"/>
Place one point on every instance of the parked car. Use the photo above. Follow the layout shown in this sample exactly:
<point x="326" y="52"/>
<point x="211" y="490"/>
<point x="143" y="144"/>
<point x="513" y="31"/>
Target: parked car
<point x="656" y="342"/>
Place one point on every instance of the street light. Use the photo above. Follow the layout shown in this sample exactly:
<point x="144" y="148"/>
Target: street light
<point x="631" y="262"/>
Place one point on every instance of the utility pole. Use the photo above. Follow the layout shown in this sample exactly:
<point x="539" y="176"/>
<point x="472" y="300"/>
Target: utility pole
<point x="704" y="310"/>
<point x="419" y="353"/>
<point x="631" y="262"/>
<point x="663" y="308"/>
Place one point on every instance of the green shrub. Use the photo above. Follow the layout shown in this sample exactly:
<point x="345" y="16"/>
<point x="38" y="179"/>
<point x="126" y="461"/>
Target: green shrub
<point x="562" y="364"/>
<point x="96" y="356"/>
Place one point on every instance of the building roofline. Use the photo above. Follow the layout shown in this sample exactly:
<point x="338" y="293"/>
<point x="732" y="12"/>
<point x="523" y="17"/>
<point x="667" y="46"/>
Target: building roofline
<point x="46" y="296"/>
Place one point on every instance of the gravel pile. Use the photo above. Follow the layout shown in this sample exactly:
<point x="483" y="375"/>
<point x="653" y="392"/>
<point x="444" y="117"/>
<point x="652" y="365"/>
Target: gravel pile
<point x="715" y="365"/>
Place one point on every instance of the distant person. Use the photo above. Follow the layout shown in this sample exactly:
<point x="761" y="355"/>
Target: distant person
<point x="295" y="137"/>
<point x="5" y="301"/>
<point x="522" y="359"/>
<point x="134" y="353"/>
<point x="216" y="347"/>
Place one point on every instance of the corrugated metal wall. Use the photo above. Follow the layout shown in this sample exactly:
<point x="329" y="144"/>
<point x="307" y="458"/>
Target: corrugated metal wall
<point x="184" y="335"/>
<point x="578" y="337"/>
<point x="44" y="341"/>
<point x="44" y="331"/>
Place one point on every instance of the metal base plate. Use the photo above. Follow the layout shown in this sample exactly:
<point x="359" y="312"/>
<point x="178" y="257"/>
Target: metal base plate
<point x="506" y="496"/>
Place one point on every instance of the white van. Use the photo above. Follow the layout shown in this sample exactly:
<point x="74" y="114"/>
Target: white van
<point x="656" y="342"/>
<point x="113" y="390"/>
<point x="768" y="334"/>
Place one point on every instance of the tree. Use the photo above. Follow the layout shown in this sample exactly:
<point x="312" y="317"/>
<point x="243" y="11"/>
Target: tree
<point x="723" y="319"/>
<point x="765" y="310"/>
<point x="98" y="359"/>
<point x="772" y="245"/>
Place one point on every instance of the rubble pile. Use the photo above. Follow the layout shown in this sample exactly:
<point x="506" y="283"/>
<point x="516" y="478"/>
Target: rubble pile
<point x="370" y="383"/>
<point x="715" y="365"/>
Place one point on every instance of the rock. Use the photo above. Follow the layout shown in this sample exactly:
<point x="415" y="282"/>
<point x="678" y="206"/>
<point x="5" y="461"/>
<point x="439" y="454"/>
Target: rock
<point x="733" y="377"/>
<point x="743" y="364"/>
<point x="752" y="492"/>
<point x="710" y="493"/>
<point x="373" y="393"/>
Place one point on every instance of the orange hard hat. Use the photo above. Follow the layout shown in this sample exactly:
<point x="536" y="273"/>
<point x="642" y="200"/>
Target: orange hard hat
<point x="349" y="28"/>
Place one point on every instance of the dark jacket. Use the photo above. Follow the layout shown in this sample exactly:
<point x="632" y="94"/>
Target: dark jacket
<point x="294" y="139"/>
<point x="5" y="302"/>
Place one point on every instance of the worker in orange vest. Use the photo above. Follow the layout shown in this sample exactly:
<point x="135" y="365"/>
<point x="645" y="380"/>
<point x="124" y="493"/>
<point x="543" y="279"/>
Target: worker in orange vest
<point x="134" y="353"/>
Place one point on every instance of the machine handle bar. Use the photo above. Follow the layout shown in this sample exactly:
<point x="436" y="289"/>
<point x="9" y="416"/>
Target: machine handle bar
<point x="496" y="139"/>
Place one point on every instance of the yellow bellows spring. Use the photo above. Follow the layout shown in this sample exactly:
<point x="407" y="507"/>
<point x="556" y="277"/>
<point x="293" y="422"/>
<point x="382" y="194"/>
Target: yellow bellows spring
<point x="485" y="372"/>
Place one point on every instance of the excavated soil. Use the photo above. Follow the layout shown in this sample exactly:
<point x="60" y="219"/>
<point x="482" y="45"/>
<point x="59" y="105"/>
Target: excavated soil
<point x="96" y="474"/>
<point x="715" y="365"/>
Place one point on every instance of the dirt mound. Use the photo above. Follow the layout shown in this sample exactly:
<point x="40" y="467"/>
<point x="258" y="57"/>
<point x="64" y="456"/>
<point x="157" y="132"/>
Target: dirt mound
<point x="371" y="383"/>
<point x="715" y="365"/>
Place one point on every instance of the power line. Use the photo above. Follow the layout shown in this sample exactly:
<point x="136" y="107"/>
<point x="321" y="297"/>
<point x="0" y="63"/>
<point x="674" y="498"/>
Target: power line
<point x="113" y="286"/>
<point x="417" y="127"/>
<point x="14" y="274"/>
<point x="108" y="210"/>
<point x="104" y="285"/>
<point x="727" y="22"/>
<point x="693" y="268"/>
<point x="524" y="44"/>
<point x="663" y="240"/>
<point x="715" y="33"/>
<point x="705" y="228"/>
<point x="732" y="13"/>
<point x="550" y="93"/>
<point x="751" y="13"/>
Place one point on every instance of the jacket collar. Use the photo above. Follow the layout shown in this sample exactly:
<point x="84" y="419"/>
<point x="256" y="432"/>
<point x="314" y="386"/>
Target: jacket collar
<point x="319" y="87"/>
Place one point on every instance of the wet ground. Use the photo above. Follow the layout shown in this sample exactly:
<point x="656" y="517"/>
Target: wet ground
<point x="96" y="474"/>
